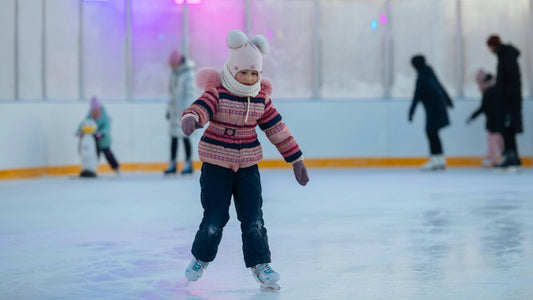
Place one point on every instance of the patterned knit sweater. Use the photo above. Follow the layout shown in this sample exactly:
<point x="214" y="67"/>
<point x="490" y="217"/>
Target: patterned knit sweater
<point x="230" y="140"/>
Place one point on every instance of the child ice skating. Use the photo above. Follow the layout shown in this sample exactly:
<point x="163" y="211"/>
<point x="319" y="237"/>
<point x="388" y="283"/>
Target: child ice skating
<point x="491" y="107"/>
<point x="235" y="101"/>
<point x="181" y="96"/>
<point x="98" y="113"/>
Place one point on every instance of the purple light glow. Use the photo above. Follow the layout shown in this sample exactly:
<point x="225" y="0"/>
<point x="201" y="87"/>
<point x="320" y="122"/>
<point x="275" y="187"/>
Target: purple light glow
<point x="179" y="2"/>
<point x="383" y="18"/>
<point x="270" y="34"/>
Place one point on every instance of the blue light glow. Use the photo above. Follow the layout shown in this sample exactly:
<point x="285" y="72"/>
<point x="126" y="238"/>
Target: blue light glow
<point x="374" y="24"/>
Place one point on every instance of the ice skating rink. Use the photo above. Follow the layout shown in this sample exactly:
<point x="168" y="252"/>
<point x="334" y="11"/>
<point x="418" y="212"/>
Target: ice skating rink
<point x="350" y="234"/>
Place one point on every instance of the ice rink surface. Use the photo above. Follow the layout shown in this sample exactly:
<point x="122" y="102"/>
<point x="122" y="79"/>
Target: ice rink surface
<point x="350" y="234"/>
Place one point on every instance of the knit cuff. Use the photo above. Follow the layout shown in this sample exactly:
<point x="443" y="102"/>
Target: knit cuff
<point x="297" y="160"/>
<point x="190" y="115"/>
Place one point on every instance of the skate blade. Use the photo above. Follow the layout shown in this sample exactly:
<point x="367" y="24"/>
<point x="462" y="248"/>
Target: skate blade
<point x="271" y="287"/>
<point x="508" y="170"/>
<point x="512" y="170"/>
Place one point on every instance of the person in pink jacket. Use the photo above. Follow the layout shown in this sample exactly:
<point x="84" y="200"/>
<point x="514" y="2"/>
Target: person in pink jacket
<point x="235" y="101"/>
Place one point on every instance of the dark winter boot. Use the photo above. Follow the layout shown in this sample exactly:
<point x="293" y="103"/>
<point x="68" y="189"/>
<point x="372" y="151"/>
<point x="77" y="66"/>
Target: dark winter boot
<point x="510" y="161"/>
<point x="187" y="168"/>
<point x="171" y="169"/>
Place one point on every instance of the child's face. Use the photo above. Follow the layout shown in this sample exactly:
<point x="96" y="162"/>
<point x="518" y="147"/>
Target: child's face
<point x="95" y="114"/>
<point x="247" y="77"/>
<point x="174" y="67"/>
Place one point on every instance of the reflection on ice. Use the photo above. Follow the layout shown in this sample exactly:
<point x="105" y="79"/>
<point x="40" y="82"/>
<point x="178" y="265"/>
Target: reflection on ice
<point x="350" y="234"/>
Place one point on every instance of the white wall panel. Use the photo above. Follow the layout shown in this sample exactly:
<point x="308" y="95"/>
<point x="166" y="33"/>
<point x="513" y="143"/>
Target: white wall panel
<point x="104" y="35"/>
<point x="42" y="134"/>
<point x="288" y="27"/>
<point x="510" y="20"/>
<point x="30" y="55"/>
<point x="7" y="50"/>
<point x="428" y="28"/>
<point x="210" y="22"/>
<point x="352" y="50"/>
<point x="156" y="31"/>
<point x="62" y="49"/>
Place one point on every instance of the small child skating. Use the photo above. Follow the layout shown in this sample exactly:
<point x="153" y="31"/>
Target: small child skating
<point x="491" y="108"/>
<point x="235" y="101"/>
<point x="181" y="96"/>
<point x="103" y="134"/>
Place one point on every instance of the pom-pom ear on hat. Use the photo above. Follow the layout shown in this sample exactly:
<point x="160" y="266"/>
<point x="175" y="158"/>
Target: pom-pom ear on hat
<point x="236" y="39"/>
<point x="261" y="43"/>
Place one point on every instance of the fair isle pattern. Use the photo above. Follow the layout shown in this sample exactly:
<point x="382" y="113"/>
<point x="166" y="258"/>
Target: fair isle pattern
<point x="231" y="142"/>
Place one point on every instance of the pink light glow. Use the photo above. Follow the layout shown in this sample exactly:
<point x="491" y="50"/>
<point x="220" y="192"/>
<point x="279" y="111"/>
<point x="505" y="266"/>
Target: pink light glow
<point x="270" y="33"/>
<point x="179" y="2"/>
<point x="383" y="18"/>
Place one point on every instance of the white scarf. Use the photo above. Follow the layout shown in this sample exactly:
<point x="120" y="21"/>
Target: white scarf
<point x="237" y="88"/>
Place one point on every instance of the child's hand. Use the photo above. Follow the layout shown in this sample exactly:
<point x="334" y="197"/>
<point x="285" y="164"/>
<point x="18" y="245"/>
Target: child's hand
<point x="189" y="124"/>
<point x="98" y="136"/>
<point x="300" y="172"/>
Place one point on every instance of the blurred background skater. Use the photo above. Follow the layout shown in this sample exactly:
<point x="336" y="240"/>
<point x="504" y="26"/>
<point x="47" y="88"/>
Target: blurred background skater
<point x="509" y="92"/>
<point x="103" y="132"/>
<point x="181" y="96"/>
<point x="490" y="106"/>
<point x="435" y="100"/>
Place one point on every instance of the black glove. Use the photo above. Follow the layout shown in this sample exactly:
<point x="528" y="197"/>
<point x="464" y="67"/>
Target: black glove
<point x="167" y="115"/>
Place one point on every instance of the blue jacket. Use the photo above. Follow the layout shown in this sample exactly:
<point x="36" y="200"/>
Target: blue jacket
<point x="104" y="128"/>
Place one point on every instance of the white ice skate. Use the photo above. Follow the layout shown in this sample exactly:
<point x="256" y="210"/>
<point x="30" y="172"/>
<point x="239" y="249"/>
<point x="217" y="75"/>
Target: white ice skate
<point x="435" y="162"/>
<point x="194" y="270"/>
<point x="266" y="277"/>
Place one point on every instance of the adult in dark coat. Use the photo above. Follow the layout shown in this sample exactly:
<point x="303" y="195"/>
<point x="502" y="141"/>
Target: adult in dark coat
<point x="509" y="92"/>
<point x="434" y="98"/>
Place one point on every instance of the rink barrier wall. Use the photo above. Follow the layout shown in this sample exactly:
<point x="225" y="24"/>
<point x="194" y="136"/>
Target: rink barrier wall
<point x="38" y="137"/>
<point x="314" y="163"/>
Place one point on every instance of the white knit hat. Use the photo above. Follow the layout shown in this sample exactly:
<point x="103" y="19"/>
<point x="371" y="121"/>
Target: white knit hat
<point x="245" y="53"/>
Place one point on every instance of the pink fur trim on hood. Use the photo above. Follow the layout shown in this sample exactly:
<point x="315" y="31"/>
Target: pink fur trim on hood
<point x="209" y="78"/>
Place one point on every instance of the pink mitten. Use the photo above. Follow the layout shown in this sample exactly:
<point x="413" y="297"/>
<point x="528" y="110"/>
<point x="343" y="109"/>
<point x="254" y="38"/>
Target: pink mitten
<point x="189" y="124"/>
<point x="300" y="172"/>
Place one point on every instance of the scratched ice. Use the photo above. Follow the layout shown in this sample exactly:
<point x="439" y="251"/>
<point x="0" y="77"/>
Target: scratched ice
<point x="350" y="234"/>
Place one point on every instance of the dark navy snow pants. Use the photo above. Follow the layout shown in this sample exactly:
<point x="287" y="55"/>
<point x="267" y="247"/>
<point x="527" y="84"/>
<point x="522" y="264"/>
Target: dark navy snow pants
<point x="218" y="184"/>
